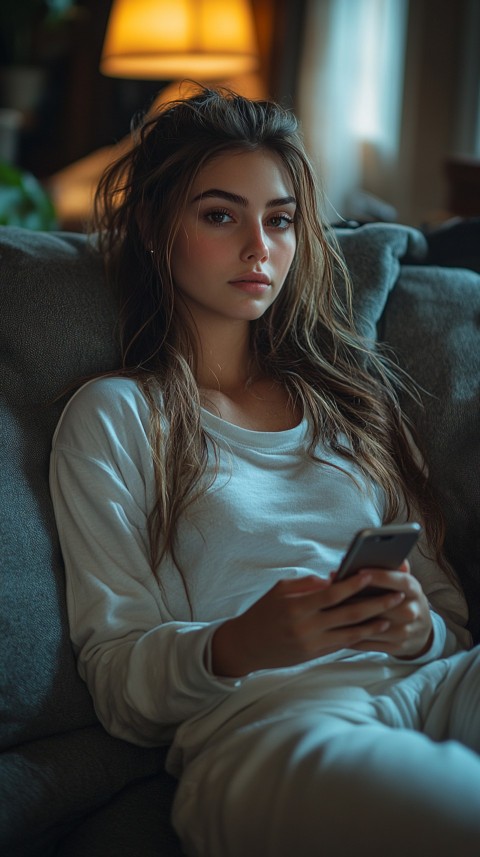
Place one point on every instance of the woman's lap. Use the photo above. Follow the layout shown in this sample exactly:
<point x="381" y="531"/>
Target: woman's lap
<point x="342" y="780"/>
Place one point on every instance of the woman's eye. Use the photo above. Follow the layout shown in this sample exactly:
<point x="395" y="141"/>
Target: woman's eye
<point x="280" y="221"/>
<point x="218" y="217"/>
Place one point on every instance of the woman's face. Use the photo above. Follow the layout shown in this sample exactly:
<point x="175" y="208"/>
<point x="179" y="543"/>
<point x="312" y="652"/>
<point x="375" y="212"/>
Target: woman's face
<point x="236" y="240"/>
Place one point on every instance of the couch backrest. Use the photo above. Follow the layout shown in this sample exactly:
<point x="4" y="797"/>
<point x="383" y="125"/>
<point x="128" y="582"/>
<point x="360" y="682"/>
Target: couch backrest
<point x="432" y="320"/>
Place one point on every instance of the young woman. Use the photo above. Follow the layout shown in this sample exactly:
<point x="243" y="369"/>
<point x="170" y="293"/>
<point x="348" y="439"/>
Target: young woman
<point x="205" y="493"/>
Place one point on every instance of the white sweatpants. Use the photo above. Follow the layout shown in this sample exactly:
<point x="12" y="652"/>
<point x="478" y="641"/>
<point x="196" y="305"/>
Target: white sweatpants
<point x="391" y="770"/>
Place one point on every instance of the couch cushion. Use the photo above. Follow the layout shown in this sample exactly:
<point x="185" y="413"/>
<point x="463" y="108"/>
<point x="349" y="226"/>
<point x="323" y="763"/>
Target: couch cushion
<point x="135" y="822"/>
<point x="432" y="320"/>
<point x="49" y="786"/>
<point x="56" y="324"/>
<point x="373" y="254"/>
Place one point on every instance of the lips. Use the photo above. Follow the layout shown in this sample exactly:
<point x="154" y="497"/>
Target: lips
<point x="252" y="277"/>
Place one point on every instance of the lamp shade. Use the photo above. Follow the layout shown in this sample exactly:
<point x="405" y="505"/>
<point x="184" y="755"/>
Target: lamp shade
<point x="171" y="39"/>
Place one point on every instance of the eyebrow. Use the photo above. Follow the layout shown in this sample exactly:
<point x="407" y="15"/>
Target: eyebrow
<point x="241" y="200"/>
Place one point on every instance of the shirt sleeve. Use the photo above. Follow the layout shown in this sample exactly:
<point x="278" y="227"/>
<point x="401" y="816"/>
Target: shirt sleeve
<point x="145" y="671"/>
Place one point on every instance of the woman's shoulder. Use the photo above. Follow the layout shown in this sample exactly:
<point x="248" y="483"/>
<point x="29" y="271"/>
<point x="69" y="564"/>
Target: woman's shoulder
<point x="110" y="405"/>
<point x="108" y="394"/>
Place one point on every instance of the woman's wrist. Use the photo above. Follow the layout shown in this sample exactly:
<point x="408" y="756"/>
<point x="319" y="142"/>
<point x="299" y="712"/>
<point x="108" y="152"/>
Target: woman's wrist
<point x="423" y="651"/>
<point x="227" y="660"/>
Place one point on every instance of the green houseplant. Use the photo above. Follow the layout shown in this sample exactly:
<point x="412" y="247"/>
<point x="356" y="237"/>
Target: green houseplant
<point x="23" y="201"/>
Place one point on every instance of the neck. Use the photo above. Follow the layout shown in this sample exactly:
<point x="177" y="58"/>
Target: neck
<point x="224" y="358"/>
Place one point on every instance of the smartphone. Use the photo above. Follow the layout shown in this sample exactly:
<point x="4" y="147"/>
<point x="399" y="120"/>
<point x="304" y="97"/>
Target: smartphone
<point x="378" y="547"/>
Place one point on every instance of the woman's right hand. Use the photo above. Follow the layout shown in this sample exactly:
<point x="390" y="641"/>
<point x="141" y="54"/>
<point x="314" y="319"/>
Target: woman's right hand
<point x="297" y="620"/>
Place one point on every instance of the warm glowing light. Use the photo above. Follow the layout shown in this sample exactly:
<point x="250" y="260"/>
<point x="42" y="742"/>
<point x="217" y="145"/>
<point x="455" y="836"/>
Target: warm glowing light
<point x="171" y="39"/>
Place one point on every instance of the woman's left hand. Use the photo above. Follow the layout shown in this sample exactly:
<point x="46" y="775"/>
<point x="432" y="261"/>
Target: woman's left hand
<point x="410" y="630"/>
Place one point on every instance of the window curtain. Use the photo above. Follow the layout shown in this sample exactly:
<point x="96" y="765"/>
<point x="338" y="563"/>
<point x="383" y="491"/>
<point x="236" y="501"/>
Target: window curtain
<point x="350" y="101"/>
<point x="388" y="95"/>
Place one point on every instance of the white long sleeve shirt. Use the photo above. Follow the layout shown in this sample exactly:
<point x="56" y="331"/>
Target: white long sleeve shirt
<point x="271" y="513"/>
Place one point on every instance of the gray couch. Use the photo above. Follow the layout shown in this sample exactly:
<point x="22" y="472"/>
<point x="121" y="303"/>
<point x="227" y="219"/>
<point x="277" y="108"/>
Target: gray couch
<point x="66" y="787"/>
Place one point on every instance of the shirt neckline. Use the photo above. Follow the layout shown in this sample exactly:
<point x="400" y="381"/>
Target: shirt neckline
<point x="251" y="438"/>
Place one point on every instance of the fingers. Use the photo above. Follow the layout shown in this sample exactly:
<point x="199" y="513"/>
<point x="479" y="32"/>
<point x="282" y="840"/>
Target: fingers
<point x="361" y="611"/>
<point x="410" y="630"/>
<point x="313" y="583"/>
<point x="401" y="641"/>
<point x="306" y="617"/>
<point x="399" y="581"/>
<point x="396" y="621"/>
<point x="327" y="609"/>
<point x="292" y="586"/>
<point x="357" y="637"/>
<point x="356" y="593"/>
<point x="341" y="603"/>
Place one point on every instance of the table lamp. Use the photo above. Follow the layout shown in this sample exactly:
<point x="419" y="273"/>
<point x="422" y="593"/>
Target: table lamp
<point x="176" y="39"/>
<point x="209" y="41"/>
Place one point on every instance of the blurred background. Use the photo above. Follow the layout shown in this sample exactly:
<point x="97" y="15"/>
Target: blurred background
<point x="387" y="92"/>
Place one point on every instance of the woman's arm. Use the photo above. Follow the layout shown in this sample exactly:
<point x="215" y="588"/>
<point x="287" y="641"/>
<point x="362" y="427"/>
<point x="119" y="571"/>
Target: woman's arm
<point x="145" y="672"/>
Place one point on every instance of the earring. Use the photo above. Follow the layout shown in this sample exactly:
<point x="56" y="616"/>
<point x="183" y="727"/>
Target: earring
<point x="151" y="251"/>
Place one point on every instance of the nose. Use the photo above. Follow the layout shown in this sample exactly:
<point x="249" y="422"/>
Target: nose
<point x="255" y="247"/>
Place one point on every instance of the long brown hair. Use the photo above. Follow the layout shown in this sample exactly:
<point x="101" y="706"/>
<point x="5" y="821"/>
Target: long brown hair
<point x="306" y="340"/>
